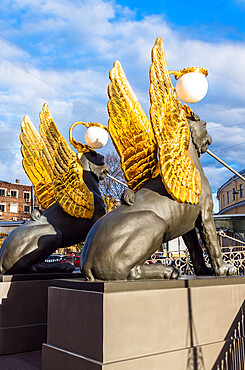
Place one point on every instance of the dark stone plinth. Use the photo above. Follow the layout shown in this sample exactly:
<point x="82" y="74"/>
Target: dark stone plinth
<point x="23" y="310"/>
<point x="145" y="324"/>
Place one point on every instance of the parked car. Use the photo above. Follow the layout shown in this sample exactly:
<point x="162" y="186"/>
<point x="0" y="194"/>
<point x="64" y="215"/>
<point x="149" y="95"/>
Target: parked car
<point x="54" y="258"/>
<point x="71" y="258"/>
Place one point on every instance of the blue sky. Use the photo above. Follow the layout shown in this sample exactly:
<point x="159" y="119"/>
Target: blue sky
<point x="217" y="18"/>
<point x="60" y="52"/>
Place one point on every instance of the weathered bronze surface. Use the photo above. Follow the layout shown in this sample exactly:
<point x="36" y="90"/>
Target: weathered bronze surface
<point x="66" y="185"/>
<point x="172" y="198"/>
<point x="118" y="245"/>
<point x="168" y="205"/>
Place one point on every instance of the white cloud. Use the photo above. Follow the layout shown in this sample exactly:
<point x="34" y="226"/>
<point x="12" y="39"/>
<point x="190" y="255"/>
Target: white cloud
<point x="215" y="203"/>
<point x="215" y="174"/>
<point x="83" y="39"/>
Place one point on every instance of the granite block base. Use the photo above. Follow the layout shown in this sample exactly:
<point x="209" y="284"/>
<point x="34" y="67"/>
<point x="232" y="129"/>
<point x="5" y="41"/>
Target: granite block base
<point x="146" y="324"/>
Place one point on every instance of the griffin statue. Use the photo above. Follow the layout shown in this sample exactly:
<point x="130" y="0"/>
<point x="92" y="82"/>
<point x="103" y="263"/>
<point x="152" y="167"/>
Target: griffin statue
<point x="66" y="187"/>
<point x="160" y="161"/>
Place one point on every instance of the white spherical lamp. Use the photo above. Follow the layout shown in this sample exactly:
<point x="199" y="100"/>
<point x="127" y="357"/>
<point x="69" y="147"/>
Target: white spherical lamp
<point x="96" y="137"/>
<point x="192" y="85"/>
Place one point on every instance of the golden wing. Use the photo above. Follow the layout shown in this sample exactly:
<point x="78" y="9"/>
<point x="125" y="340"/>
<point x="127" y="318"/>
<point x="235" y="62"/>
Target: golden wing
<point x="36" y="163"/>
<point x="172" y="133"/>
<point x="130" y="131"/>
<point x="70" y="190"/>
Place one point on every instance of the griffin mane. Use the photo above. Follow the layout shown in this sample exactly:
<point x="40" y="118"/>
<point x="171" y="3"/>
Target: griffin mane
<point x="194" y="125"/>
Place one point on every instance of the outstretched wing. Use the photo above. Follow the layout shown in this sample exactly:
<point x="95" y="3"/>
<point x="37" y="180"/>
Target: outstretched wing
<point x="70" y="190"/>
<point x="130" y="131"/>
<point x="179" y="174"/>
<point x="36" y="163"/>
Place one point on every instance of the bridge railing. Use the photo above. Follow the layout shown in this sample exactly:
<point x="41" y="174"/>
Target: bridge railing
<point x="233" y="254"/>
<point x="232" y="248"/>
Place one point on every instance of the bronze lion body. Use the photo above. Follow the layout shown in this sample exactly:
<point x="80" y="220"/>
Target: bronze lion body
<point x="118" y="245"/>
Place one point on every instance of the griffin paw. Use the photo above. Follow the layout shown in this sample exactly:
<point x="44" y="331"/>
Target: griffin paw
<point x="226" y="270"/>
<point x="171" y="272"/>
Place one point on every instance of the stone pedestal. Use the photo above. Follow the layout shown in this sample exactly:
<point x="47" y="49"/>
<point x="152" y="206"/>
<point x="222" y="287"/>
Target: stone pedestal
<point x="192" y="323"/>
<point x="23" y="311"/>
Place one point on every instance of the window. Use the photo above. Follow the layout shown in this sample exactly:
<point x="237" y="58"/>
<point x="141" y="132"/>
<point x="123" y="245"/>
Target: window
<point x="13" y="208"/>
<point x="2" y="207"/>
<point x="27" y="195"/>
<point x="14" y="193"/>
<point x="234" y="193"/>
<point x="223" y="200"/>
<point x="240" y="189"/>
<point x="227" y="193"/>
<point x="2" y="192"/>
<point x="26" y="209"/>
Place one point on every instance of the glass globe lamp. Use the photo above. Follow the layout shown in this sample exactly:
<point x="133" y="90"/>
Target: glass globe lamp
<point x="192" y="85"/>
<point x="96" y="137"/>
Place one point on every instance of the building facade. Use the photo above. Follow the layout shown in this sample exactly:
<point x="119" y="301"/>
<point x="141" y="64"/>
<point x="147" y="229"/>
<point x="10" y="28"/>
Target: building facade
<point x="16" y="201"/>
<point x="231" y="196"/>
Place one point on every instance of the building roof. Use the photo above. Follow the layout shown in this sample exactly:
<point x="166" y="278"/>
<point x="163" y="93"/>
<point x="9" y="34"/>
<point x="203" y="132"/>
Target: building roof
<point x="234" y="177"/>
<point x="16" y="183"/>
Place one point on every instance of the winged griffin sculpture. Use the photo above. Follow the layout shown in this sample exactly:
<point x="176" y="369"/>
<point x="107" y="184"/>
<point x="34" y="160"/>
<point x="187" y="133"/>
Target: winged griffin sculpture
<point x="66" y="186"/>
<point x="160" y="161"/>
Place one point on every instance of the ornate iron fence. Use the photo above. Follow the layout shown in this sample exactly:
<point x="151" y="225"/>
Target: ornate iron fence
<point x="180" y="260"/>
<point x="184" y="264"/>
<point x="233" y="253"/>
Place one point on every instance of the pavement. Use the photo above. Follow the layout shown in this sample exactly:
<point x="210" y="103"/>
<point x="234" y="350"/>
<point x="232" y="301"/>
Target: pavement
<point x="22" y="361"/>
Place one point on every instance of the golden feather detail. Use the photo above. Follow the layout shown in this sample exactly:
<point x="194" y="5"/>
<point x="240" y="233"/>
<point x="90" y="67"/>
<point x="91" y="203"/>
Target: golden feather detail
<point x="137" y="139"/>
<point x="70" y="190"/>
<point x="172" y="133"/>
<point x="130" y="131"/>
<point x="54" y="168"/>
<point x="36" y="163"/>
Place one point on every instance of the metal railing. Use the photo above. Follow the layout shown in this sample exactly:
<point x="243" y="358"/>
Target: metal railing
<point x="233" y="254"/>
<point x="180" y="260"/>
<point x="184" y="264"/>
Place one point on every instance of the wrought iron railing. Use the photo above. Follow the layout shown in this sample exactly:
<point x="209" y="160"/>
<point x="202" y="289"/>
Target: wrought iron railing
<point x="180" y="260"/>
<point x="184" y="264"/>
<point x="233" y="254"/>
